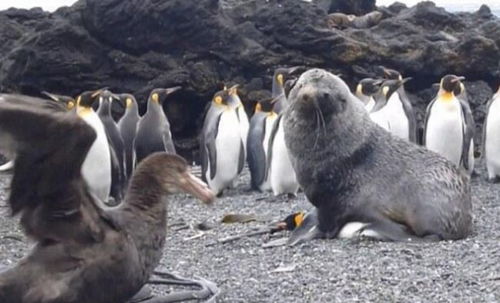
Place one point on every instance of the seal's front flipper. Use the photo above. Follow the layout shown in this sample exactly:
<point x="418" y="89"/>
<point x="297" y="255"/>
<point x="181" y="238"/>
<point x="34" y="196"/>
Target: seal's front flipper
<point x="307" y="230"/>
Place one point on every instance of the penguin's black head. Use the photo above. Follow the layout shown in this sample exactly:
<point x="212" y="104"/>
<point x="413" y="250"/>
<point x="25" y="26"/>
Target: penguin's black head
<point x="158" y="95"/>
<point x="266" y="105"/>
<point x="221" y="97"/>
<point x="108" y="97"/>
<point x="390" y="74"/>
<point x="282" y="74"/>
<point x="87" y="98"/>
<point x="127" y="100"/>
<point x="70" y="102"/>
<point x="451" y="83"/>
<point x="368" y="86"/>
<point x="390" y="86"/>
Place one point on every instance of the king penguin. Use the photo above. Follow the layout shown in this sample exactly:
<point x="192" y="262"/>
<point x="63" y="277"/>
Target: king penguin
<point x="400" y="109"/>
<point x="96" y="169"/>
<point x="261" y="126"/>
<point x="222" y="143"/>
<point x="280" y="77"/>
<point x="153" y="129"/>
<point x="128" y="128"/>
<point x="116" y="145"/>
<point x="445" y="129"/>
<point x="388" y="112"/>
<point x="365" y="90"/>
<point x="280" y="171"/>
<point x="491" y="138"/>
<point x="242" y="115"/>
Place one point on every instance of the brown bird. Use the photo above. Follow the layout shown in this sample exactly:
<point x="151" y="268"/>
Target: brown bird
<point x="83" y="253"/>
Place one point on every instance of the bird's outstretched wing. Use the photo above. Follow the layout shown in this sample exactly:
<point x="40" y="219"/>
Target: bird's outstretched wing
<point x="47" y="187"/>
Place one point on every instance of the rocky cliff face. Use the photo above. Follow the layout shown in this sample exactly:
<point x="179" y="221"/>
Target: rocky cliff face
<point x="136" y="45"/>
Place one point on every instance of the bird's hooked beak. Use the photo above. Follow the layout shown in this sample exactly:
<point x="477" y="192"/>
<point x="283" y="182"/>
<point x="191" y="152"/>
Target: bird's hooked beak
<point x="194" y="186"/>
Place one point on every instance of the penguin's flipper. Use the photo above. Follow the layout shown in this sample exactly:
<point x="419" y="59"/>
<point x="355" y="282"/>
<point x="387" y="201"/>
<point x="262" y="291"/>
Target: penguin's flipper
<point x="468" y="130"/>
<point x="117" y="179"/>
<point x="47" y="182"/>
<point x="209" y="134"/>
<point x="241" y="158"/>
<point x="426" y="120"/>
<point x="168" y="142"/>
<point x="272" y="135"/>
<point x="256" y="155"/>
<point x="410" y="114"/>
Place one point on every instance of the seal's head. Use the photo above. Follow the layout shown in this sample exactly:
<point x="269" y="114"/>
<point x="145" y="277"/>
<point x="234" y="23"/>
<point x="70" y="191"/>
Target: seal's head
<point x="319" y="92"/>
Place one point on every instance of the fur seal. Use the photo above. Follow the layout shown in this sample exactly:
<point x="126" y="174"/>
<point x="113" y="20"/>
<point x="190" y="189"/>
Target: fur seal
<point x="352" y="170"/>
<point x="341" y="20"/>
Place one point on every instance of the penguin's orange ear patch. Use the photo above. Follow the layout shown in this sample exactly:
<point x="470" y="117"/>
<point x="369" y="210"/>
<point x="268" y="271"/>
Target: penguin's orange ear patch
<point x="155" y="97"/>
<point x="280" y="79"/>
<point x="129" y="102"/>
<point x="70" y="104"/>
<point x="258" y="108"/>
<point x="385" y="90"/>
<point x="218" y="100"/>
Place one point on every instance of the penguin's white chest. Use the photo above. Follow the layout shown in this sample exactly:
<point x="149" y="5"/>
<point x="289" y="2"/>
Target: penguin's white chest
<point x="282" y="175"/>
<point x="370" y="104"/>
<point x="492" y="140"/>
<point x="380" y="119"/>
<point x="444" y="132"/>
<point x="228" y="147"/>
<point x="269" y="123"/>
<point x="396" y="117"/>
<point x="244" y="125"/>
<point x="96" y="168"/>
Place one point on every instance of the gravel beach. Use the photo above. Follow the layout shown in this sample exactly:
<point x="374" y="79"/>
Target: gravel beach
<point x="320" y="271"/>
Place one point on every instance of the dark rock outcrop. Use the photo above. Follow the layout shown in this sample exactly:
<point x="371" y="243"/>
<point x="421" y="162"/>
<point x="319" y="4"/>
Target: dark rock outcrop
<point x="136" y="45"/>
